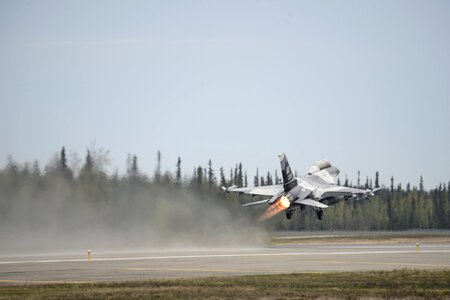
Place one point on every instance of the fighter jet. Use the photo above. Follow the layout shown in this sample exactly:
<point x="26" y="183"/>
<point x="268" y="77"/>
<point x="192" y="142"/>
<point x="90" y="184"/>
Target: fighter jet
<point x="316" y="189"/>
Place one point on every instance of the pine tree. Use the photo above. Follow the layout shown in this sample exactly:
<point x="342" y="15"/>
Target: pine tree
<point x="87" y="170"/>
<point x="62" y="165"/>
<point x="89" y="164"/>
<point x="211" y="177"/>
<point x="389" y="205"/>
<point x="262" y="181"/>
<point x="245" y="179"/>
<point x="223" y="180"/>
<point x="11" y="165"/>
<point x="392" y="184"/>
<point x="158" y="167"/>
<point x="256" y="180"/>
<point x="63" y="159"/>
<point x="134" y="167"/>
<point x="240" y="179"/>
<point x="358" y="181"/>
<point x="199" y="175"/>
<point x="377" y="180"/>
<point x="421" y="184"/>
<point x="268" y="179"/>
<point x="178" y="175"/>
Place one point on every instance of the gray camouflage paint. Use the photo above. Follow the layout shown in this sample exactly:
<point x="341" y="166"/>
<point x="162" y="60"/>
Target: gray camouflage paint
<point x="316" y="189"/>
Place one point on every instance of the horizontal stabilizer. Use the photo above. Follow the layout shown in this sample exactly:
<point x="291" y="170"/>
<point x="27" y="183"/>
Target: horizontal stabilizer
<point x="227" y="189"/>
<point x="256" y="202"/>
<point x="370" y="193"/>
<point x="311" y="203"/>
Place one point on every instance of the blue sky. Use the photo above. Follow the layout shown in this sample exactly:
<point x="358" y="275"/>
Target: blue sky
<point x="365" y="84"/>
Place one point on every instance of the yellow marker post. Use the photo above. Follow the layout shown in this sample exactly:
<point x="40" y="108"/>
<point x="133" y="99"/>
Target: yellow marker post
<point x="89" y="255"/>
<point x="417" y="247"/>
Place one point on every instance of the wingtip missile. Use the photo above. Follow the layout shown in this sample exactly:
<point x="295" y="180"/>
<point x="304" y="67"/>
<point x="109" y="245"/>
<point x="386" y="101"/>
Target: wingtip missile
<point x="370" y="192"/>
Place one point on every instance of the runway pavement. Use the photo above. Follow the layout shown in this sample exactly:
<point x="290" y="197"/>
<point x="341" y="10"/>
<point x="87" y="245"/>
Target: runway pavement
<point x="146" y="264"/>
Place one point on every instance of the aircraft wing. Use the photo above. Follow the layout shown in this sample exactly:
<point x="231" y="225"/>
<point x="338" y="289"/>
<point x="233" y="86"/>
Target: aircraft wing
<point x="267" y="190"/>
<point x="342" y="191"/>
<point x="311" y="203"/>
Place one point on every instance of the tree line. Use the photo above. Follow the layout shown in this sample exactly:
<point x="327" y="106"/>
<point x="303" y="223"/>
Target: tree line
<point x="138" y="195"/>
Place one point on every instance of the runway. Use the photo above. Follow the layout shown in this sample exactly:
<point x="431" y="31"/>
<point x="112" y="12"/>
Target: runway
<point x="151" y="264"/>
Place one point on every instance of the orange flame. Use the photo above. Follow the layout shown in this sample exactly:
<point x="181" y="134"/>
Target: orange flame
<point x="281" y="204"/>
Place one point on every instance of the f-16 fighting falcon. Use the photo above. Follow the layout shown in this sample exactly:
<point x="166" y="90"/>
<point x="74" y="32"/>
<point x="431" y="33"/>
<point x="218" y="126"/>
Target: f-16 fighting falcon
<point x="316" y="189"/>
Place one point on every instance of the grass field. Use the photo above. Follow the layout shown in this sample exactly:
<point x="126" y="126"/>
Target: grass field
<point x="411" y="284"/>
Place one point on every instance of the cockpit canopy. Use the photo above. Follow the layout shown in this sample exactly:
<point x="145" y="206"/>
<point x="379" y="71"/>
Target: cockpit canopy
<point x="318" y="166"/>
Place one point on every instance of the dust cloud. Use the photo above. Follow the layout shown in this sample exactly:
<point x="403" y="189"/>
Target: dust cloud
<point x="53" y="214"/>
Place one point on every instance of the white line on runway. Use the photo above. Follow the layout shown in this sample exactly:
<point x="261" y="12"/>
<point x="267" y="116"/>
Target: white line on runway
<point x="41" y="281"/>
<point x="220" y="256"/>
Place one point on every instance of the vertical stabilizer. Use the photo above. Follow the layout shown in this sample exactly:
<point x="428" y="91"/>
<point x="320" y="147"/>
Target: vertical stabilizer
<point x="289" y="180"/>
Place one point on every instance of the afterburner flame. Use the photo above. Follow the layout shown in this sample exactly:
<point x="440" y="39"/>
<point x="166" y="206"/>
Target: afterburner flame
<point x="281" y="204"/>
<point x="284" y="202"/>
